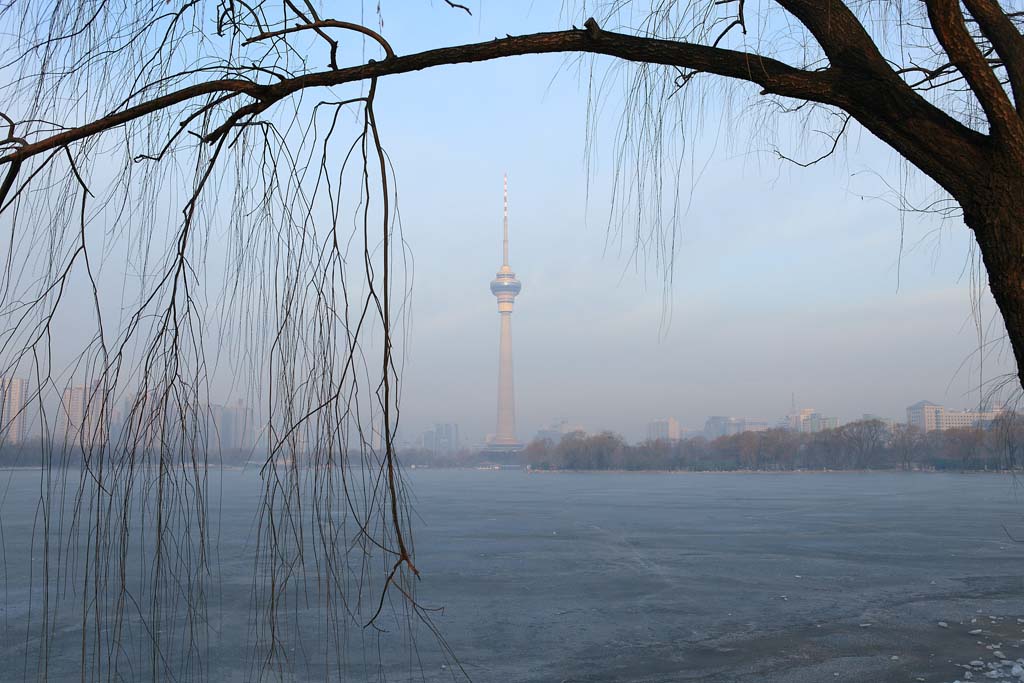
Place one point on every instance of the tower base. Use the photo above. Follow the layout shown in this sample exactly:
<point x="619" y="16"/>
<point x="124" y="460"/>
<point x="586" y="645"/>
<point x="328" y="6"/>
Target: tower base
<point x="510" y="447"/>
<point x="504" y="453"/>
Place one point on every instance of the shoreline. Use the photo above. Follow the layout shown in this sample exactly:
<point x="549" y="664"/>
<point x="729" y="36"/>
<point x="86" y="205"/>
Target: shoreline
<point x="771" y="472"/>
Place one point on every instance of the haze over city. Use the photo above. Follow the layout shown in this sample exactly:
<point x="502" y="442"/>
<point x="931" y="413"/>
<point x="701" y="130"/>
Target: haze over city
<point x="786" y="280"/>
<point x="783" y="283"/>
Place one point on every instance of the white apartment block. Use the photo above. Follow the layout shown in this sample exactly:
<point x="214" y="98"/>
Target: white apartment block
<point x="928" y="416"/>
<point x="925" y="415"/>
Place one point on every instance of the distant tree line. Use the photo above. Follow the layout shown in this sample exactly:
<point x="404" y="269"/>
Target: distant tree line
<point x="861" y="445"/>
<point x="428" y="457"/>
<point x="37" y="453"/>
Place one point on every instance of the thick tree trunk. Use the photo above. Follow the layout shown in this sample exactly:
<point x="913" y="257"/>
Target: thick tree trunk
<point x="995" y="212"/>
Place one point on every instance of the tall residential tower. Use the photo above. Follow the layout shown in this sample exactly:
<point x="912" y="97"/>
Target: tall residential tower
<point x="505" y="287"/>
<point x="13" y="410"/>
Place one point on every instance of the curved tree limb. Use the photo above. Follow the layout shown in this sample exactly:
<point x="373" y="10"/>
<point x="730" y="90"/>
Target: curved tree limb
<point x="949" y="27"/>
<point x="842" y="37"/>
<point x="1007" y="41"/>
<point x="772" y="75"/>
<point x="863" y="86"/>
<point x="327" y="23"/>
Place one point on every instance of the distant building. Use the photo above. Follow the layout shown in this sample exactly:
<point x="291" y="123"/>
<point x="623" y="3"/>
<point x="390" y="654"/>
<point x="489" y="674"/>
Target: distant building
<point x="809" y="421"/>
<point x="819" y="423"/>
<point x="800" y="420"/>
<point x="928" y="416"/>
<point x="13" y="410"/>
<point x="556" y="430"/>
<point x="377" y="436"/>
<point x="446" y="437"/>
<point x="81" y="420"/>
<point x="718" y="426"/>
<point x="958" y="419"/>
<point x="145" y="419"/>
<point x="889" y="423"/>
<point x="689" y="433"/>
<point x="443" y="439"/>
<point x="925" y="415"/>
<point x="234" y="423"/>
<point x="666" y="429"/>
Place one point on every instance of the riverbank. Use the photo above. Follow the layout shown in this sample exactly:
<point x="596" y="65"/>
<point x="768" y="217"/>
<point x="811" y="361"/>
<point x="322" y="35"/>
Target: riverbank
<point x="778" y="472"/>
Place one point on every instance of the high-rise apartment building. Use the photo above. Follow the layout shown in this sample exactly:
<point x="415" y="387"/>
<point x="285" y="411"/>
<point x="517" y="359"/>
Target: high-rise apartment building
<point x="666" y="429"/>
<point x="81" y="420"/>
<point x="13" y="410"/>
<point x="442" y="439"/>
<point x="234" y="423"/>
<point x="446" y="437"/>
<point x="72" y="414"/>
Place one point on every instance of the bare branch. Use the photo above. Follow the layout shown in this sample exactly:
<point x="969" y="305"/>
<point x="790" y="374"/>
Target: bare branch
<point x="1007" y="41"/>
<point x="772" y="75"/>
<point x="327" y="23"/>
<point x="455" y="5"/>
<point x="948" y="24"/>
<point x="835" y="143"/>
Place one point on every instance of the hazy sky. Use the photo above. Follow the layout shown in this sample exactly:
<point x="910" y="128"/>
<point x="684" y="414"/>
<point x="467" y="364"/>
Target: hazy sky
<point x="786" y="280"/>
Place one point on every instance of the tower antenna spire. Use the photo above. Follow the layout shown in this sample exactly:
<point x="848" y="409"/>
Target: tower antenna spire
<point x="505" y="242"/>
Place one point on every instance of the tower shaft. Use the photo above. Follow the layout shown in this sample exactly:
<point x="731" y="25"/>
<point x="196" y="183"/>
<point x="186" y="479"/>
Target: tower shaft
<point x="506" y="432"/>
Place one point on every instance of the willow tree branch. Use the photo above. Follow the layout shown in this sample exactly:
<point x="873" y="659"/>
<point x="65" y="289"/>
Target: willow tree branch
<point x="455" y="5"/>
<point x="839" y="32"/>
<point x="885" y="105"/>
<point x="948" y="24"/>
<point x="772" y="75"/>
<point x="117" y="119"/>
<point x="1007" y="41"/>
<point x="328" y="23"/>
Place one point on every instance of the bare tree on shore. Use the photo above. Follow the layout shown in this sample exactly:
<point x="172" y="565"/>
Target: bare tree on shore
<point x="906" y="441"/>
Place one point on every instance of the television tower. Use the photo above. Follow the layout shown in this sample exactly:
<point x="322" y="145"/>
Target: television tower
<point x="505" y="287"/>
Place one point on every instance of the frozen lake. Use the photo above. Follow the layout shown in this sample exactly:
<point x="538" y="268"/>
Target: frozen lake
<point x="650" y="577"/>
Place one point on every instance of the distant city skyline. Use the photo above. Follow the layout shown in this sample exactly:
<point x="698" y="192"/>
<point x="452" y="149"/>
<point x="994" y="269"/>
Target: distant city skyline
<point x="80" y="420"/>
<point x="85" y="417"/>
<point x="803" y="419"/>
<point x="924" y="415"/>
